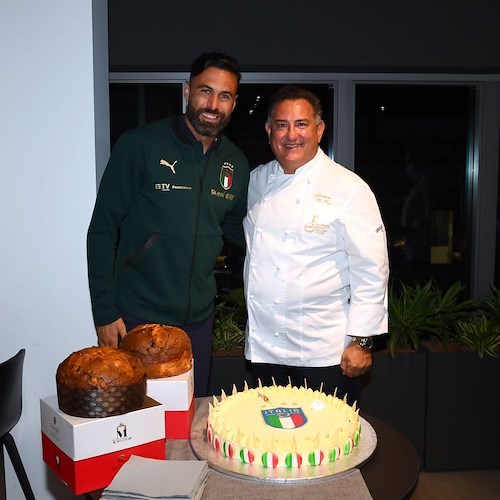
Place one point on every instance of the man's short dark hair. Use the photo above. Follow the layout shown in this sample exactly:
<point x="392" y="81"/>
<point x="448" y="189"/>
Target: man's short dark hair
<point x="293" y="93"/>
<point x="215" y="60"/>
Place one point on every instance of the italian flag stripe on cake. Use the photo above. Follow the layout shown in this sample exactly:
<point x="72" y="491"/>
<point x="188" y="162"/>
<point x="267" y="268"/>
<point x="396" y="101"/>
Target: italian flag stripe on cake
<point x="334" y="454"/>
<point x="228" y="449"/>
<point x="356" y="438"/>
<point x="291" y="422"/>
<point x="269" y="460"/>
<point x="293" y="460"/>
<point x="247" y="456"/>
<point x="316" y="457"/>
<point x="217" y="443"/>
<point x="348" y="446"/>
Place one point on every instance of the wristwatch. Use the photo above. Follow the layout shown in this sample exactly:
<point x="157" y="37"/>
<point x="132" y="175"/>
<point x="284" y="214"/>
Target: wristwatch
<point x="364" y="342"/>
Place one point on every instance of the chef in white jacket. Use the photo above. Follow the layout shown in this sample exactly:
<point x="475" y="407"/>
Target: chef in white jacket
<point x="316" y="268"/>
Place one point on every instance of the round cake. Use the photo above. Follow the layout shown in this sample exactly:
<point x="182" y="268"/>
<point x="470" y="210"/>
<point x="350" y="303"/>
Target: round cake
<point x="100" y="382"/>
<point x="163" y="350"/>
<point x="280" y="426"/>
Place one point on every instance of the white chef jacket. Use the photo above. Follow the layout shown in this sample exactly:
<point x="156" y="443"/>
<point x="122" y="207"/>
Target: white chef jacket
<point x="316" y="268"/>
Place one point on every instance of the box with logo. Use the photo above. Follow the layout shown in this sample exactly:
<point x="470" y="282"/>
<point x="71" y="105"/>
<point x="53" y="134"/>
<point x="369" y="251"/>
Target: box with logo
<point x="86" y="453"/>
<point x="177" y="395"/>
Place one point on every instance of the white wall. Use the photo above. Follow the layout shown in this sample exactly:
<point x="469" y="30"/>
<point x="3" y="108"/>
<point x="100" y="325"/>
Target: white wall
<point x="48" y="159"/>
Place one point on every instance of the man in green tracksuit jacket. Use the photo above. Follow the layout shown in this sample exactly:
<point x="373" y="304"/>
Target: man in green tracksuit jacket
<point x="171" y="190"/>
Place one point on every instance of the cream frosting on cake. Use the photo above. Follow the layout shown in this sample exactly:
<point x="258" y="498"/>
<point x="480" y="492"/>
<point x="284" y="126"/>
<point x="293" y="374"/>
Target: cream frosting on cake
<point x="282" y="426"/>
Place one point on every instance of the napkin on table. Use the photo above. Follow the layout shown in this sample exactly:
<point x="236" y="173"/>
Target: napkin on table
<point x="148" y="478"/>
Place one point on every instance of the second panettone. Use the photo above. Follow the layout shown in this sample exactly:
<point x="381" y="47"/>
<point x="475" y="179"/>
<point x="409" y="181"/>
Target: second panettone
<point x="163" y="350"/>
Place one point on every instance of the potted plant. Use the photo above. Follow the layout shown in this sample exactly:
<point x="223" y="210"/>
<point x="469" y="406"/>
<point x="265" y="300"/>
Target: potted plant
<point x="395" y="389"/>
<point x="462" y="384"/>
<point x="424" y="312"/>
<point x="481" y="333"/>
<point x="229" y="323"/>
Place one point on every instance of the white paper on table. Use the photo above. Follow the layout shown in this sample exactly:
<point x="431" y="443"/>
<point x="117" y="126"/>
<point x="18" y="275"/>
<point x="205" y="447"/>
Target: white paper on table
<point x="144" y="478"/>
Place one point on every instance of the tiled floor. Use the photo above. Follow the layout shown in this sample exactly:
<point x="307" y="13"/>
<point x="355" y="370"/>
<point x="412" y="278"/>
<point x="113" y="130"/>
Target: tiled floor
<point x="460" y="485"/>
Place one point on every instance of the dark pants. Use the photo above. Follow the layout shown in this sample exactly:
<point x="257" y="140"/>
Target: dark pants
<point x="328" y="378"/>
<point x="201" y="342"/>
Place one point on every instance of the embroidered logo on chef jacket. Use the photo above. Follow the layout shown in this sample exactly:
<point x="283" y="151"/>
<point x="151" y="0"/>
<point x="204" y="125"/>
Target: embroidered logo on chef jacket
<point x="323" y="198"/>
<point x="226" y="175"/>
<point x="315" y="227"/>
<point x="171" y="166"/>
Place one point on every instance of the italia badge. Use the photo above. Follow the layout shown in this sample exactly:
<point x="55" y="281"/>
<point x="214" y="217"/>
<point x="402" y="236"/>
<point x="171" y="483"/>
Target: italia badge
<point x="284" y="418"/>
<point x="226" y="175"/>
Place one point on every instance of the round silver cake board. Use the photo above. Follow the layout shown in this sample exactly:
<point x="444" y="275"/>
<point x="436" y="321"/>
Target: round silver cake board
<point x="256" y="472"/>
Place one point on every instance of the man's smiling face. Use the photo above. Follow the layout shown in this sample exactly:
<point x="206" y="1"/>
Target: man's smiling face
<point x="211" y="98"/>
<point x="294" y="133"/>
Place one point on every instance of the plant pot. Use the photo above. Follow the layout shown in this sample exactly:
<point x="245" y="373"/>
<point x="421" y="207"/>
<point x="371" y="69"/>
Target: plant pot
<point x="463" y="408"/>
<point x="394" y="390"/>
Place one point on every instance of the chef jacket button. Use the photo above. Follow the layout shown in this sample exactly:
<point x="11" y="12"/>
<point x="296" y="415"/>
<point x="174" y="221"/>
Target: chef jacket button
<point x="271" y="177"/>
<point x="252" y="297"/>
<point x="276" y="334"/>
<point x="276" y="301"/>
<point x="259" y="230"/>
<point x="278" y="268"/>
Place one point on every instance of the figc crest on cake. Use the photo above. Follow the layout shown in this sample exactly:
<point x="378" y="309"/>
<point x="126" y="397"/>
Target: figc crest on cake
<point x="282" y="426"/>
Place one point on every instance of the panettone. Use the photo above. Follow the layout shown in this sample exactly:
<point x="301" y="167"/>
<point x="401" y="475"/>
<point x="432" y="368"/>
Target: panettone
<point x="100" y="382"/>
<point x="163" y="350"/>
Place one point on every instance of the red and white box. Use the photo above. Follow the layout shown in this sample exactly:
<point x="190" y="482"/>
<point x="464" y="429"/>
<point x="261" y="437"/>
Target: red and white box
<point x="176" y="394"/>
<point x="86" y="453"/>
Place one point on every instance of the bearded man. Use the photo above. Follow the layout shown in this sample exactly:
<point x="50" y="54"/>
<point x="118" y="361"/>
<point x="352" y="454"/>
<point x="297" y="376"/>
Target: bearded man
<point x="171" y="191"/>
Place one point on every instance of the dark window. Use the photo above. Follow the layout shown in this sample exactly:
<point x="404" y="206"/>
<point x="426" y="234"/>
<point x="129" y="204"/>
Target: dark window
<point x="497" y="246"/>
<point x="411" y="147"/>
<point x="134" y="104"/>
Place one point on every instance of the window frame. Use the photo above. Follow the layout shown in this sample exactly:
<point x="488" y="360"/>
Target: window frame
<point x="483" y="148"/>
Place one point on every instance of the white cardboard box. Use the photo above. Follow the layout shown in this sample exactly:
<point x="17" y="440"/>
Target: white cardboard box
<point x="81" y="438"/>
<point x="95" y="473"/>
<point x="175" y="393"/>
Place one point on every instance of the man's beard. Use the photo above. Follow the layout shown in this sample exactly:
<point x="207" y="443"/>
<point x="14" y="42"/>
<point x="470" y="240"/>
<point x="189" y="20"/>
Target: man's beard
<point x="203" y="128"/>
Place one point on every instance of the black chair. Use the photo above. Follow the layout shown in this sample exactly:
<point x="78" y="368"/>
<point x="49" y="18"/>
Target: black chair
<point x="11" y="385"/>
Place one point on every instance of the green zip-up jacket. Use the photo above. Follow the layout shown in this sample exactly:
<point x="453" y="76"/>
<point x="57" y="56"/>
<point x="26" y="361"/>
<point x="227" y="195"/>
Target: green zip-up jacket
<point x="157" y="226"/>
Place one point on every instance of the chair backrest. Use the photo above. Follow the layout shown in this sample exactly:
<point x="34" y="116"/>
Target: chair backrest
<point x="11" y="388"/>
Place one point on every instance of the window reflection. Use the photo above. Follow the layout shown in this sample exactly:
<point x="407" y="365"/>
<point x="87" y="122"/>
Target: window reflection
<point x="411" y="147"/>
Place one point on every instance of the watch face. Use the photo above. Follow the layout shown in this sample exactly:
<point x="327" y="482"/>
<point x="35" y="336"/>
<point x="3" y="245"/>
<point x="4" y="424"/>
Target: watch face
<point x="366" y="342"/>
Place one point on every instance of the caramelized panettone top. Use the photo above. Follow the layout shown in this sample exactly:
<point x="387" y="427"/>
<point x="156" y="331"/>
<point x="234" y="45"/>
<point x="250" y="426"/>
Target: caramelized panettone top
<point x="163" y="350"/>
<point x="100" y="368"/>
